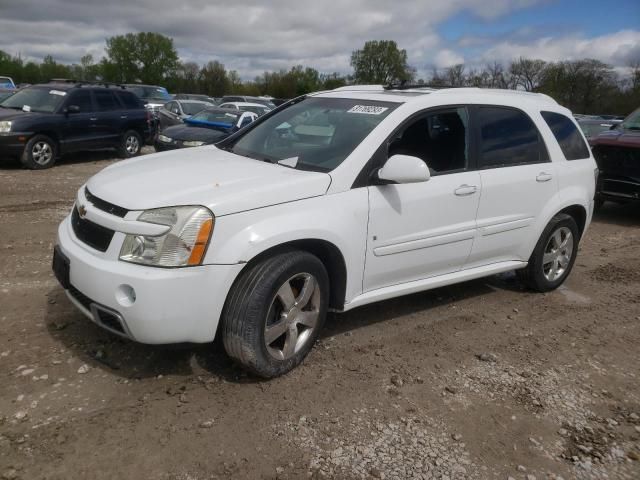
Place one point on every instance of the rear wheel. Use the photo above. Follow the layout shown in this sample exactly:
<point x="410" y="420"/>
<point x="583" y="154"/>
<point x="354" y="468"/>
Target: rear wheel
<point x="275" y="311"/>
<point x="131" y="144"/>
<point x="554" y="255"/>
<point x="39" y="153"/>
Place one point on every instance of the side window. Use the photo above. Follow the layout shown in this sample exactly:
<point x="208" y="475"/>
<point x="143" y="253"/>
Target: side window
<point x="106" y="100"/>
<point x="82" y="99"/>
<point x="571" y="142"/>
<point x="175" y="108"/>
<point x="129" y="100"/>
<point x="440" y="139"/>
<point x="508" y="137"/>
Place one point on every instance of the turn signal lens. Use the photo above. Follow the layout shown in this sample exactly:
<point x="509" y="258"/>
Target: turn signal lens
<point x="202" y="240"/>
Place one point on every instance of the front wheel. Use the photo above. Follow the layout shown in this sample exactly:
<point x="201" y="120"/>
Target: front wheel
<point x="39" y="153"/>
<point x="130" y="145"/>
<point x="554" y="255"/>
<point x="275" y="311"/>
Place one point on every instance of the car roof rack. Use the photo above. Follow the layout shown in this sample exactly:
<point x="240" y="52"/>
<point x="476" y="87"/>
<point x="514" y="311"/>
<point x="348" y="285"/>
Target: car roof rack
<point x="415" y="86"/>
<point x="80" y="83"/>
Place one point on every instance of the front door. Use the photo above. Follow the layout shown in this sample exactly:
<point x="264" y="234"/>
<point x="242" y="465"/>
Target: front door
<point x="426" y="229"/>
<point x="80" y="127"/>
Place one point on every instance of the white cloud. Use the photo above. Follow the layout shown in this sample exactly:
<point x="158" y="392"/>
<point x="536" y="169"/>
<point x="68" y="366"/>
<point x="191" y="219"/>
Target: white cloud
<point x="253" y="35"/>
<point x="616" y="48"/>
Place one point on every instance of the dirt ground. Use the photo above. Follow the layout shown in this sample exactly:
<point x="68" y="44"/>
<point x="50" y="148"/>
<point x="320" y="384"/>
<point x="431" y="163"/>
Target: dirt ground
<point x="480" y="380"/>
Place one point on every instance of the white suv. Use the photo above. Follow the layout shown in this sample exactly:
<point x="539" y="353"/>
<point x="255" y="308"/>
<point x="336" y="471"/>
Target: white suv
<point x="332" y="201"/>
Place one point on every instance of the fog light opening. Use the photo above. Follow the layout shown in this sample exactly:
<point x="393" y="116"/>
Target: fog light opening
<point x="125" y="295"/>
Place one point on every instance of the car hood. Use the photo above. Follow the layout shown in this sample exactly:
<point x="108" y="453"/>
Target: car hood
<point x="619" y="136"/>
<point x="224" y="182"/>
<point x="13" y="114"/>
<point x="188" y="132"/>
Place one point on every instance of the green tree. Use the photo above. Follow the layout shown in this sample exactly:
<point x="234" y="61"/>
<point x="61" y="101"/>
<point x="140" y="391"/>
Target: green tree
<point x="213" y="77"/>
<point x="381" y="61"/>
<point x="146" y="56"/>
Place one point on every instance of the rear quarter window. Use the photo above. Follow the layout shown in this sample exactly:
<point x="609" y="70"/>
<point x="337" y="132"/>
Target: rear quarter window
<point x="129" y="100"/>
<point x="571" y="142"/>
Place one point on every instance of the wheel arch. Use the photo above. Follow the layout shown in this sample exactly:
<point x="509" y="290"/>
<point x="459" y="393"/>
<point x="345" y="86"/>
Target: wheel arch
<point x="579" y="214"/>
<point x="328" y="253"/>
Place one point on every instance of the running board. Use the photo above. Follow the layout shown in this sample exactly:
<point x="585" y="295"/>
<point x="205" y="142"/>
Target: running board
<point x="432" y="282"/>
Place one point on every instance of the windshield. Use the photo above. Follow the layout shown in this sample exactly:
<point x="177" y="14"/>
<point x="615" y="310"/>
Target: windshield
<point x="45" y="100"/>
<point x="632" y="122"/>
<point x="192" y="107"/>
<point x="216" y="117"/>
<point x="151" y="93"/>
<point x="255" y="109"/>
<point x="318" y="133"/>
<point x="5" y="93"/>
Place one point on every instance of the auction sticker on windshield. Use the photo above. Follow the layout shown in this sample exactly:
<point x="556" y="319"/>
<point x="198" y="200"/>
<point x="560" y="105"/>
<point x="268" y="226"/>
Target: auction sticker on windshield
<point x="57" y="92"/>
<point x="367" y="109"/>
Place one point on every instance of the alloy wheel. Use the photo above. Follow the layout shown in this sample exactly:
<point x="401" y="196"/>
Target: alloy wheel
<point x="557" y="254"/>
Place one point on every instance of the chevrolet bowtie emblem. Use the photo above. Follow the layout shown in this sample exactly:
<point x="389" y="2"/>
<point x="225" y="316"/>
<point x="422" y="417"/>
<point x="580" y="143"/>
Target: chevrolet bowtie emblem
<point x="82" y="211"/>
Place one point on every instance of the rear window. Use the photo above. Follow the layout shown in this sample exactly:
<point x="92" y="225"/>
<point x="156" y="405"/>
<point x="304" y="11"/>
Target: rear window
<point x="571" y="142"/>
<point x="128" y="99"/>
<point x="508" y="137"/>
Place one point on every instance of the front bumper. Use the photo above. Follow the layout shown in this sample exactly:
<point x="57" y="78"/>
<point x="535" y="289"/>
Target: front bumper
<point x="12" y="143"/>
<point x="171" y="305"/>
<point x="618" y="188"/>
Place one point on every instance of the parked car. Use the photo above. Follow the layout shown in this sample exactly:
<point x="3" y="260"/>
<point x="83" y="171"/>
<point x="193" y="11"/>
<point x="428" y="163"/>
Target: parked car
<point x="193" y="96"/>
<point x="256" y="108"/>
<point x="617" y="152"/>
<point x="207" y="126"/>
<point x="245" y="99"/>
<point x="592" y="127"/>
<point x="153" y="96"/>
<point x="40" y="123"/>
<point x="175" y="111"/>
<point x="7" y="83"/>
<point x="337" y="200"/>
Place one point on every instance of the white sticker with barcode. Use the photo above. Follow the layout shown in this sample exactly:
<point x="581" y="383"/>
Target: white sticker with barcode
<point x="367" y="109"/>
<point x="57" y="92"/>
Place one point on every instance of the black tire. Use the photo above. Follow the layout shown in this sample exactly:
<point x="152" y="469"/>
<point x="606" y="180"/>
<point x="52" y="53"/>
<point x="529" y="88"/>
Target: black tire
<point x="39" y="153"/>
<point x="130" y="144"/>
<point x="253" y="304"/>
<point x="534" y="275"/>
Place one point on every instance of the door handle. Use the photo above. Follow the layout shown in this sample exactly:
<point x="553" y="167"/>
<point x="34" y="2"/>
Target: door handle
<point x="544" y="177"/>
<point x="464" y="190"/>
<point x="93" y="119"/>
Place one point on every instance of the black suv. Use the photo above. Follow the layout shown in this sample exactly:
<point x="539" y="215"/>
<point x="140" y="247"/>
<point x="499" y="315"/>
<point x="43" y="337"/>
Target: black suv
<point x="40" y="123"/>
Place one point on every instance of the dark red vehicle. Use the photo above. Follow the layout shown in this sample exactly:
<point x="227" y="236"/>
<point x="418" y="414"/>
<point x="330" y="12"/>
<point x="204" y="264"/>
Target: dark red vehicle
<point x="617" y="153"/>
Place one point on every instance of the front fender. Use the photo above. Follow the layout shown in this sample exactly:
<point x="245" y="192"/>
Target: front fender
<point x="340" y="219"/>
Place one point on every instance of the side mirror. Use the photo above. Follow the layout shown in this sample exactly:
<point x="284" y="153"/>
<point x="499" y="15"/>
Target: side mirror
<point x="404" y="169"/>
<point x="73" y="109"/>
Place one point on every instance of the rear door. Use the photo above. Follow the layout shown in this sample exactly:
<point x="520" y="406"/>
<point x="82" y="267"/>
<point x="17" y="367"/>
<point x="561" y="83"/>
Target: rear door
<point x="518" y="179"/>
<point x="110" y="118"/>
<point x="79" y="132"/>
<point x="421" y="230"/>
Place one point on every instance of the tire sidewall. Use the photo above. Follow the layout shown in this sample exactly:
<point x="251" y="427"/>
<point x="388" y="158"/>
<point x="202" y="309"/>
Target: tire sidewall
<point x="123" y="145"/>
<point x="27" y="155"/>
<point x="537" y="258"/>
<point x="260" y="300"/>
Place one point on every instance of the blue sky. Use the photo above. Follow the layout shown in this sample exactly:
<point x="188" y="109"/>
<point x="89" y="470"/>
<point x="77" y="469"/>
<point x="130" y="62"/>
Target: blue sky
<point x="253" y="36"/>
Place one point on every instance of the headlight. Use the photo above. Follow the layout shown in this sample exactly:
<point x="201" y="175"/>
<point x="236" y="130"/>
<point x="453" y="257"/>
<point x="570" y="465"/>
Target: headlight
<point x="164" y="138"/>
<point x="183" y="245"/>
<point x="193" y="143"/>
<point x="5" y="127"/>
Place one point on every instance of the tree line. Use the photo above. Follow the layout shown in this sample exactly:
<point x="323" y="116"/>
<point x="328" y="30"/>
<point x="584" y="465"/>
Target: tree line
<point x="584" y="86"/>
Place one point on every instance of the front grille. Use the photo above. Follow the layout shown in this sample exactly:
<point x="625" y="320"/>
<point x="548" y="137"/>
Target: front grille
<point x="80" y="297"/>
<point x="104" y="205"/>
<point x="101" y="315"/>
<point x="92" y="234"/>
<point x="110" y="321"/>
<point x="618" y="160"/>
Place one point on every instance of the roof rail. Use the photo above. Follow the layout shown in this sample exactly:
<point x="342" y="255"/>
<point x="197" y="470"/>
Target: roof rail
<point x="360" y="88"/>
<point x="80" y="83"/>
